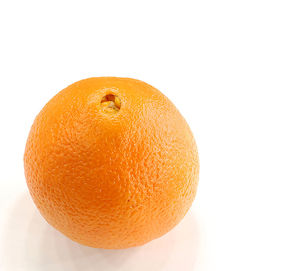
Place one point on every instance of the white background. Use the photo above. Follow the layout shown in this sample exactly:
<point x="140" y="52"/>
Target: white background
<point x="233" y="70"/>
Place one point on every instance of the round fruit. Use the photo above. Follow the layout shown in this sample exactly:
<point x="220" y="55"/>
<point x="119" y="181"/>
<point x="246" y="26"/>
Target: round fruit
<point x="111" y="163"/>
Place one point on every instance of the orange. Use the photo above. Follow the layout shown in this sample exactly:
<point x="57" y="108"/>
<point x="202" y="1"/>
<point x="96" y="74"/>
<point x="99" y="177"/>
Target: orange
<point x="111" y="163"/>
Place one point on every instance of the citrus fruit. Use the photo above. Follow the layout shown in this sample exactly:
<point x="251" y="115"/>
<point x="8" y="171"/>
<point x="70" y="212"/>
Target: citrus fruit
<point x="111" y="163"/>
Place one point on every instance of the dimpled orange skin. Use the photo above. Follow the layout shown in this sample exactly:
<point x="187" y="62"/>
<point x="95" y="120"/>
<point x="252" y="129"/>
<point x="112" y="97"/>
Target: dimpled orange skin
<point x="111" y="180"/>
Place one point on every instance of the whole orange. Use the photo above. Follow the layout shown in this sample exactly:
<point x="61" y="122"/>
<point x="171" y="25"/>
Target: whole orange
<point x="111" y="163"/>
